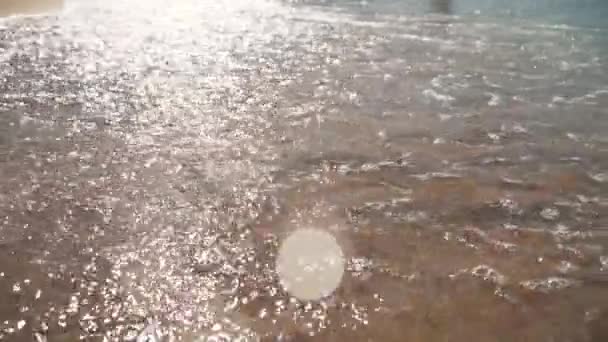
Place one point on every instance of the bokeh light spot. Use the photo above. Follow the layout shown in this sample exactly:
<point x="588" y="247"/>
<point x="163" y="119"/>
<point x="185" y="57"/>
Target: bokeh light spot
<point x="310" y="264"/>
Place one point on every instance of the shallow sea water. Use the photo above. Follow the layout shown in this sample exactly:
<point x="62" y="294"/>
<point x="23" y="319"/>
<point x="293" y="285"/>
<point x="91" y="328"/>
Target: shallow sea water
<point x="155" y="154"/>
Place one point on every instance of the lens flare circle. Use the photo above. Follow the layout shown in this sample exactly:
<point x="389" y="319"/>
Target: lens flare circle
<point x="310" y="264"/>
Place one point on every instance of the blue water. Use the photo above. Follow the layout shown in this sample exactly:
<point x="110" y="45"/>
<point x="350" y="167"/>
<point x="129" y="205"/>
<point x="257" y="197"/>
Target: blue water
<point x="578" y="13"/>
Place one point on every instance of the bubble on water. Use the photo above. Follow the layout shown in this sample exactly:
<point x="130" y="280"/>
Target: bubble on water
<point x="432" y="95"/>
<point x="518" y="128"/>
<point x="604" y="262"/>
<point x="566" y="267"/>
<point x="495" y="137"/>
<point x="599" y="177"/>
<point x="494" y="99"/>
<point x="357" y="265"/>
<point x="487" y="273"/>
<point x="310" y="264"/>
<point x="549" y="214"/>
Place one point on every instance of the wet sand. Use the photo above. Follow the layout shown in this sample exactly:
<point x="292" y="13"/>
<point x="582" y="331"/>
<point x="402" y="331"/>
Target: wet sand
<point x="13" y="7"/>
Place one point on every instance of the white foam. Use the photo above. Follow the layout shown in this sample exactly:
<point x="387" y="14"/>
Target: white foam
<point x="549" y="284"/>
<point x="433" y="95"/>
<point x="494" y="99"/>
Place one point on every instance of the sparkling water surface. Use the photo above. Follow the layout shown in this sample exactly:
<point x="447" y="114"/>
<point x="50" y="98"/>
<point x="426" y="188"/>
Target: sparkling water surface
<point x="155" y="155"/>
